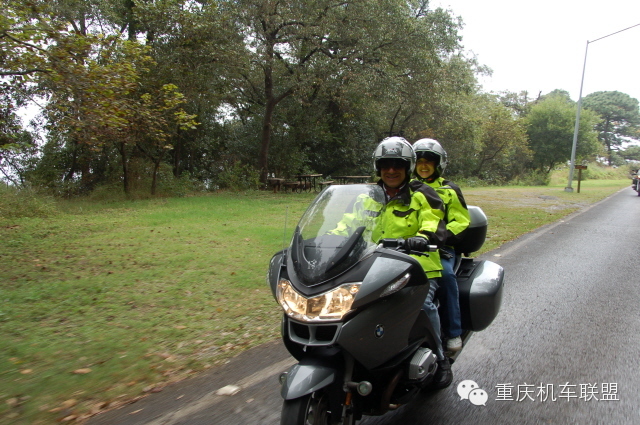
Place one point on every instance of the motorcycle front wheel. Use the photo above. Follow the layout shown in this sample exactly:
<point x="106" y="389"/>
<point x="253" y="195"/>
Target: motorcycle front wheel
<point x="311" y="409"/>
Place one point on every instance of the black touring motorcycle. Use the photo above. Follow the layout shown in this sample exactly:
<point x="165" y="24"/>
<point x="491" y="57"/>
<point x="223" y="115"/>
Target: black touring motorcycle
<point x="352" y="313"/>
<point x="635" y="181"/>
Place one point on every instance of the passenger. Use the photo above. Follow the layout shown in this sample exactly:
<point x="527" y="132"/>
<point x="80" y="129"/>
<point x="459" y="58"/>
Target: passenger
<point x="412" y="211"/>
<point x="431" y="163"/>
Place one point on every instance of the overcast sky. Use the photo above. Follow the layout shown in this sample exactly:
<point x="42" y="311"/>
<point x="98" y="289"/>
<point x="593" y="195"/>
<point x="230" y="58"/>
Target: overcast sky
<point x="540" y="46"/>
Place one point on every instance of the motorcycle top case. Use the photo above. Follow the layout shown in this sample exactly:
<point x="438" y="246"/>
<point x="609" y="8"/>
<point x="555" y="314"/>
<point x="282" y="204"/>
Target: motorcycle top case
<point x="480" y="285"/>
<point x="473" y="237"/>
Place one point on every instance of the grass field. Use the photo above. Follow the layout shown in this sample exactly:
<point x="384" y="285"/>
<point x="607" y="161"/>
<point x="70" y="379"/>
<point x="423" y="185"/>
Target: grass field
<point x="105" y="302"/>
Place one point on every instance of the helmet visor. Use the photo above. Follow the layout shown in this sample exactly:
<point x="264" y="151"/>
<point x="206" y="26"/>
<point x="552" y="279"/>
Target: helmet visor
<point x="429" y="156"/>
<point x="392" y="163"/>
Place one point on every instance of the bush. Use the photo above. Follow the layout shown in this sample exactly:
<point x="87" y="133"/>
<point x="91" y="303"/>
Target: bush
<point x="170" y="186"/>
<point x="534" y="178"/>
<point x="598" y="172"/>
<point x="18" y="203"/>
<point x="469" y="182"/>
<point x="237" y="176"/>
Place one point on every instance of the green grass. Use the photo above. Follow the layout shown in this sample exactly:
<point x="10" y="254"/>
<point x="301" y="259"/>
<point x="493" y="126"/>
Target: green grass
<point x="104" y="302"/>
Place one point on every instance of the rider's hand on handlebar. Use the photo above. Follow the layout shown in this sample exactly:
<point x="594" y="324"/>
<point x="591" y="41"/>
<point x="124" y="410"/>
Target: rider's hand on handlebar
<point x="417" y="243"/>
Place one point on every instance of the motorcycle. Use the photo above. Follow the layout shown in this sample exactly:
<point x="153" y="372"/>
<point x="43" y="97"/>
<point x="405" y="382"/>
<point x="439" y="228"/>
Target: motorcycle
<point x="635" y="183"/>
<point x="353" y="315"/>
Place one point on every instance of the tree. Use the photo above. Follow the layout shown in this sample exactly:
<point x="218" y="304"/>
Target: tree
<point x="159" y="116"/>
<point x="632" y="153"/>
<point x="92" y="79"/>
<point x="17" y="147"/>
<point x="519" y="102"/>
<point x="197" y="46"/>
<point x="386" y="57"/>
<point x="277" y="86"/>
<point x="620" y="118"/>
<point x="486" y="140"/>
<point x="550" y="127"/>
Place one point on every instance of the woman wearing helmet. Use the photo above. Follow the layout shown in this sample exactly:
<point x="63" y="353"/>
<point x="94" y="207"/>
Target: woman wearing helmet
<point x="431" y="160"/>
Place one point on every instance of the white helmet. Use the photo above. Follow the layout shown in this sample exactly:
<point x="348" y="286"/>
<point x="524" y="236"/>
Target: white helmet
<point x="431" y="149"/>
<point x="395" y="148"/>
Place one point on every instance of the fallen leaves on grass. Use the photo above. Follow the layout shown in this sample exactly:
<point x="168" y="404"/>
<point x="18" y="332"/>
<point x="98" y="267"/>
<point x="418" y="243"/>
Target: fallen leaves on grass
<point x="153" y="389"/>
<point x="65" y="405"/>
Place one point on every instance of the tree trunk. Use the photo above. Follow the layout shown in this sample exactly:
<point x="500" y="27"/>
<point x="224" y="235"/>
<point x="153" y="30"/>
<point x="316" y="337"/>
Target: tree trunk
<point x="177" y="155"/>
<point x="270" y="104"/>
<point x="74" y="161"/>
<point x="266" y="139"/>
<point x="154" y="178"/>
<point x="125" y="167"/>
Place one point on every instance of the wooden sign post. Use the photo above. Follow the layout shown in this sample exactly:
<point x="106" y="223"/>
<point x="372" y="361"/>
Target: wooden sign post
<point x="580" y="168"/>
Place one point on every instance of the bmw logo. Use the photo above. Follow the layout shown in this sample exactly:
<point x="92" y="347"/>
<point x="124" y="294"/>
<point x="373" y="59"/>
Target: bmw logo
<point x="379" y="331"/>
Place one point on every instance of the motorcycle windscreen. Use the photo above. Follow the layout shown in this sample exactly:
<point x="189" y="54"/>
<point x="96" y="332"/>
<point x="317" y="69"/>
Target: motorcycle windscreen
<point x="335" y="232"/>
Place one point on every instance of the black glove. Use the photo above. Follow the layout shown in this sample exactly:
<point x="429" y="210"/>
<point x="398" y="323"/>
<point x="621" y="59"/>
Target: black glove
<point x="417" y="243"/>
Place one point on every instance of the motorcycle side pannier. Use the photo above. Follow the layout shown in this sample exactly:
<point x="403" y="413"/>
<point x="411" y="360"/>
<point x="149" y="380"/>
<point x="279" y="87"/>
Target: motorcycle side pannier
<point x="473" y="237"/>
<point x="480" y="285"/>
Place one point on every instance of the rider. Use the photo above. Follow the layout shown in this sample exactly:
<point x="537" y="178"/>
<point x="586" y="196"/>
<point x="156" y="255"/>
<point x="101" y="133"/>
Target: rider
<point x="412" y="211"/>
<point x="431" y="163"/>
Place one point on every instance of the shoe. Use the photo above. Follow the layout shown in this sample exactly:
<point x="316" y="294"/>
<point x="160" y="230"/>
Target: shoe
<point x="444" y="375"/>
<point x="454" y="344"/>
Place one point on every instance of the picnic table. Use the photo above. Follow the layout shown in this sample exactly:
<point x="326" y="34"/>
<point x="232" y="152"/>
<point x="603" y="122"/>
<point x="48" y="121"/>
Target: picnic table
<point x="308" y="181"/>
<point x="352" y="179"/>
<point x="276" y="183"/>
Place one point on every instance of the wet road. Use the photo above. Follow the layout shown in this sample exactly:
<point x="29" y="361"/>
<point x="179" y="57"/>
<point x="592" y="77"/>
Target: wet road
<point x="562" y="351"/>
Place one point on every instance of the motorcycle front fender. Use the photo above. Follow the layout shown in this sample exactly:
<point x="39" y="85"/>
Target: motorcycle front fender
<point x="305" y="379"/>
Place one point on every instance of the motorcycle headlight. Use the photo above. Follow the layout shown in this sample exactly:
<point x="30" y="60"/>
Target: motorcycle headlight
<point x="330" y="306"/>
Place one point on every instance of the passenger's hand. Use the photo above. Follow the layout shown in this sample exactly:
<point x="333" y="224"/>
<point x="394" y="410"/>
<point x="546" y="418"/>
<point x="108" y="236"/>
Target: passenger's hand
<point x="417" y="243"/>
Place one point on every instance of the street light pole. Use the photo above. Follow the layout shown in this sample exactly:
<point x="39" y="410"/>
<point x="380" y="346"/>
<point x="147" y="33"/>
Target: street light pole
<point x="577" y="127"/>
<point x="579" y="107"/>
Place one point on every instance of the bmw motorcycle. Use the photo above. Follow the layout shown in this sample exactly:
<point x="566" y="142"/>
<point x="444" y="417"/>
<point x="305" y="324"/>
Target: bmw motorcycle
<point x="635" y="183"/>
<point x="353" y="315"/>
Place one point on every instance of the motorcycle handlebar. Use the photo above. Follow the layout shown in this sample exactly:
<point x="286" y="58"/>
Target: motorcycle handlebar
<point x="400" y="245"/>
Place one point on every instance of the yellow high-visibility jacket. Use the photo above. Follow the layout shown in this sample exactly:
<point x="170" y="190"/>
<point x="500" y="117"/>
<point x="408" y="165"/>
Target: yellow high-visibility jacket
<point x="456" y="212"/>
<point x="417" y="210"/>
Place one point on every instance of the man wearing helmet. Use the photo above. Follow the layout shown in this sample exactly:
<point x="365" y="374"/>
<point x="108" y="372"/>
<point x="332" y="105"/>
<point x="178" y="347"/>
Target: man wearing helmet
<point x="412" y="211"/>
<point x="431" y="163"/>
<point x="415" y="212"/>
